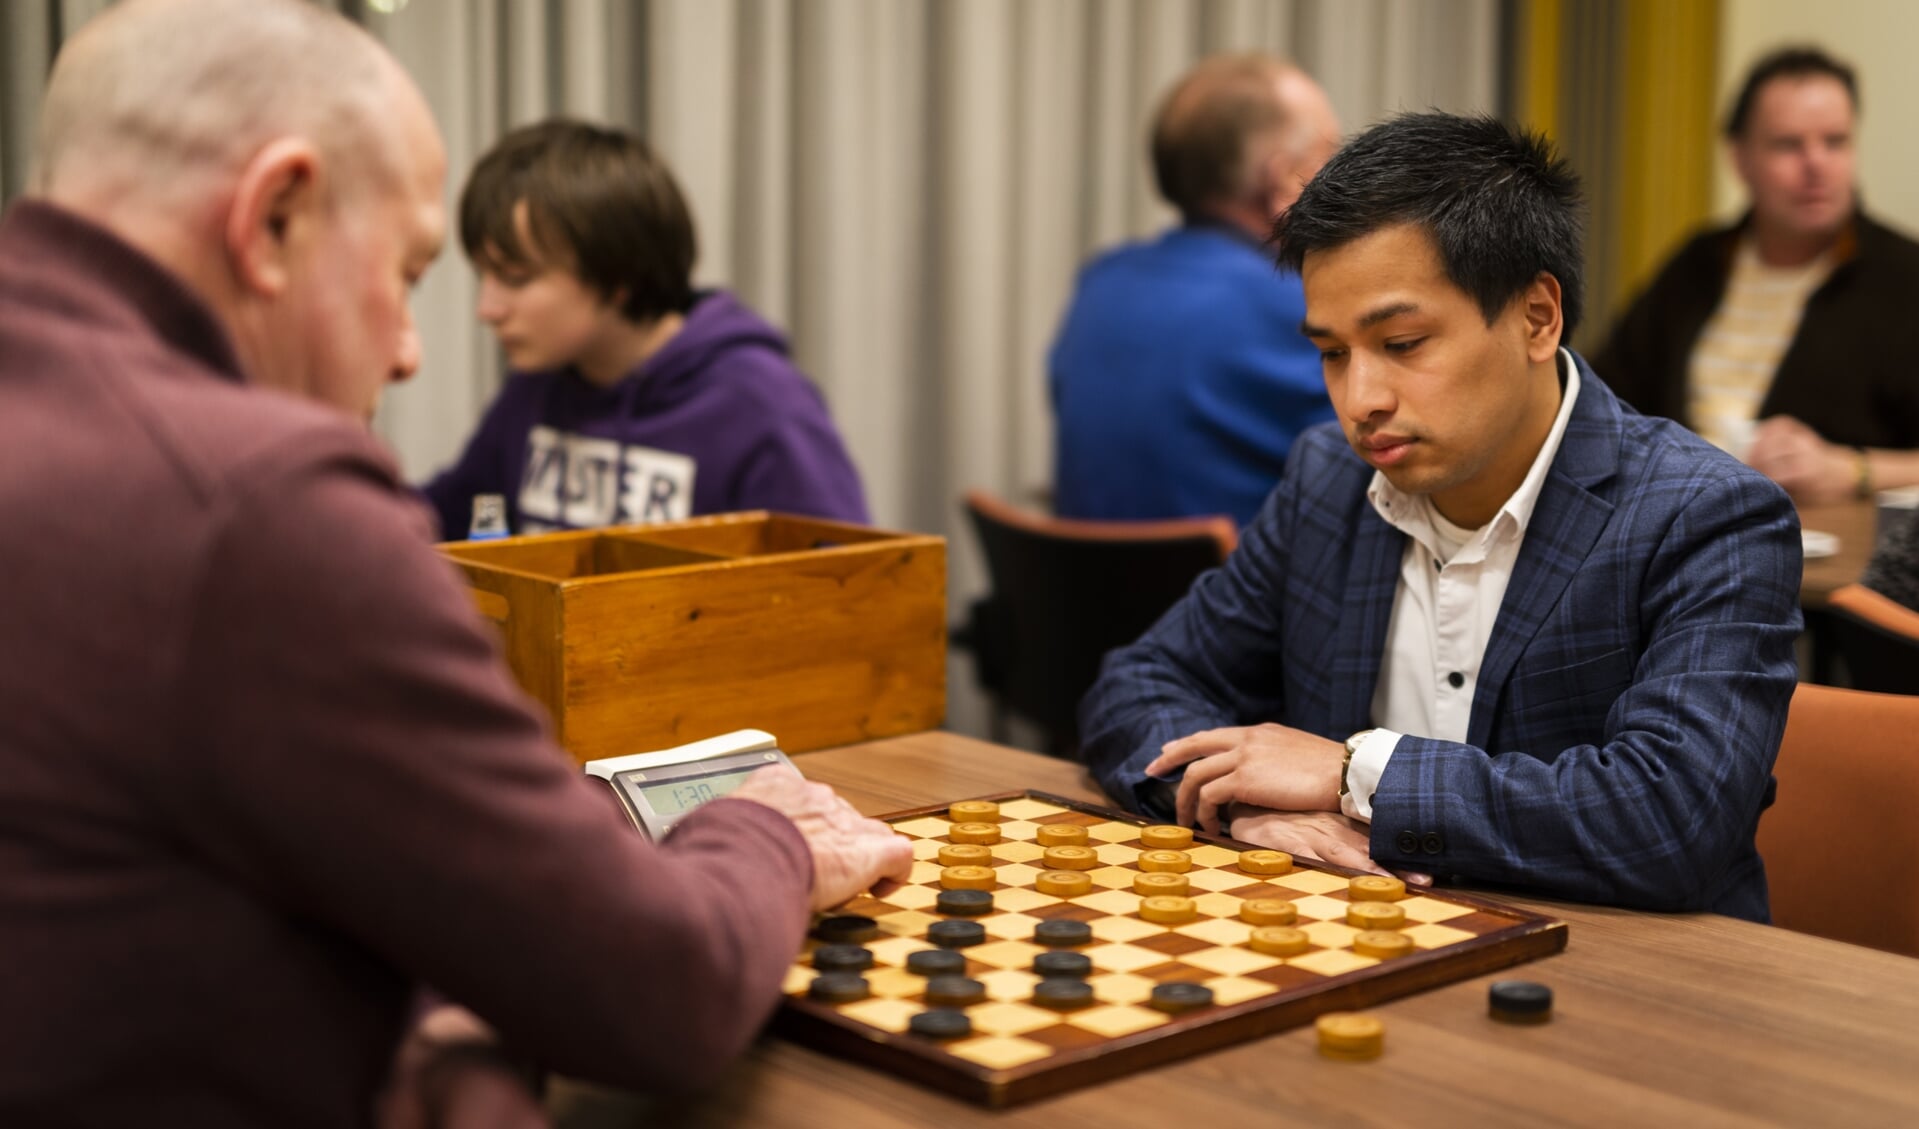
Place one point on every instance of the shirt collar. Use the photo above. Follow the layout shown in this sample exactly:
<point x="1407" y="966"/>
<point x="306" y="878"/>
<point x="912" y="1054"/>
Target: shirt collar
<point x="1413" y="514"/>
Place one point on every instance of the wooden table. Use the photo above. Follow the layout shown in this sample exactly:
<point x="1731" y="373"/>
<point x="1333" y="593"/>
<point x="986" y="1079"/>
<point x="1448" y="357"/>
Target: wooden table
<point x="1856" y="526"/>
<point x="1693" y="1020"/>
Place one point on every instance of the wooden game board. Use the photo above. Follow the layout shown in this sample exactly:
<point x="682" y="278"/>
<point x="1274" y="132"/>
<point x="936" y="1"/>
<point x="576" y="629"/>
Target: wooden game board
<point x="1019" y="1051"/>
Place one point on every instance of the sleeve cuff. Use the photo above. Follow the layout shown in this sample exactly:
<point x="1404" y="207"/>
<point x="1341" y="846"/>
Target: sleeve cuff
<point x="1362" y="775"/>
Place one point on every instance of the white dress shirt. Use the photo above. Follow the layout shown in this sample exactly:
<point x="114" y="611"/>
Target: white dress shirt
<point x="1451" y="582"/>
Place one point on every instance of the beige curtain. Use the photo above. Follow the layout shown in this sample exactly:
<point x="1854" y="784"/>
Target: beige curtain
<point x="908" y="186"/>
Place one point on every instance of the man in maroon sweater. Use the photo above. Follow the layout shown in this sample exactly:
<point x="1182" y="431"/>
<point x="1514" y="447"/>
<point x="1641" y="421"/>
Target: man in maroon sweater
<point x="261" y="770"/>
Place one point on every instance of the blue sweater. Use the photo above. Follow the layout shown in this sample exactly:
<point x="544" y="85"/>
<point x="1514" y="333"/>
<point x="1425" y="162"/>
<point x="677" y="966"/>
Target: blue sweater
<point x="1180" y="378"/>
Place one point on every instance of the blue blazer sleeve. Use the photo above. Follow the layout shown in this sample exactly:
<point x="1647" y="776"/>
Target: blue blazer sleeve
<point x="1656" y="804"/>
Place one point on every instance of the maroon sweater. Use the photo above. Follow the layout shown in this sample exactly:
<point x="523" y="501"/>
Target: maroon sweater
<point x="261" y="768"/>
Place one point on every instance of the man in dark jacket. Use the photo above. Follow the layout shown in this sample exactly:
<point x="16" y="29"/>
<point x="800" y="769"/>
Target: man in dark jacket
<point x="262" y="771"/>
<point x="1787" y="339"/>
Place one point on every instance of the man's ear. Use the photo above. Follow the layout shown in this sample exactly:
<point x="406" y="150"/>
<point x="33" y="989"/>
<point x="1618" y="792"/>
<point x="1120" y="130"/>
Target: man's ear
<point x="1545" y="319"/>
<point x="277" y="190"/>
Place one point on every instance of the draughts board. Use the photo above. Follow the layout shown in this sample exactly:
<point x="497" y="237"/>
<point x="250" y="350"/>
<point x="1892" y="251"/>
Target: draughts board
<point x="1018" y="1050"/>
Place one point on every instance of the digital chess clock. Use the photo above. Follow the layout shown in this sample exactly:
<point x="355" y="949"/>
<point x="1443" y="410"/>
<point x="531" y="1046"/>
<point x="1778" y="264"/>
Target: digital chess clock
<point x="659" y="789"/>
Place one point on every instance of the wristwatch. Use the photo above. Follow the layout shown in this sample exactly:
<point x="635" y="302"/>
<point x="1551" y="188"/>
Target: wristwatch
<point x="1346" y="765"/>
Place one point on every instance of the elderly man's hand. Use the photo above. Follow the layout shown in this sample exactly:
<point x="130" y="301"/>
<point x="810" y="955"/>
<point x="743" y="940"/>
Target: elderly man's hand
<point x="1326" y="836"/>
<point x="1271" y="766"/>
<point x="851" y="853"/>
<point x="1811" y="469"/>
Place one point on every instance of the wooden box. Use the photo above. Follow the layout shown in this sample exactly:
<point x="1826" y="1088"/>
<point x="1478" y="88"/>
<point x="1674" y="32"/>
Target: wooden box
<point x="643" y="637"/>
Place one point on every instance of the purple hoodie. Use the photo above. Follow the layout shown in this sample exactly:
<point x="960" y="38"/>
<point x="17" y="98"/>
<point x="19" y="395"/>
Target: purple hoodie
<point x="719" y="420"/>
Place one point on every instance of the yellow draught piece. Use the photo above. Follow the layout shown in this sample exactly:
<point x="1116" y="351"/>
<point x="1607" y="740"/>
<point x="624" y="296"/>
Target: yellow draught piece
<point x="1348" y="1035"/>
<point x="1375" y="915"/>
<point x="1164" y="836"/>
<point x="1062" y="835"/>
<point x="1178" y="862"/>
<point x="1070" y="858"/>
<point x="1268" y="911"/>
<point x="967" y="878"/>
<point x="1265" y="862"/>
<point x="1063" y="883"/>
<point x="1279" y="941"/>
<point x="1162" y="882"/>
<point x="974" y="833"/>
<point x="1167" y="909"/>
<point x="964" y="854"/>
<point x="1375" y="888"/>
<point x="1382" y="943"/>
<point x="974" y="811"/>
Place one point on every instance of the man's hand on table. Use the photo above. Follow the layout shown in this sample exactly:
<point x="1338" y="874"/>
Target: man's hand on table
<point x="851" y="853"/>
<point x="451" y="1074"/>
<point x="1812" y="470"/>
<point x="1269" y="766"/>
<point x="1323" y="835"/>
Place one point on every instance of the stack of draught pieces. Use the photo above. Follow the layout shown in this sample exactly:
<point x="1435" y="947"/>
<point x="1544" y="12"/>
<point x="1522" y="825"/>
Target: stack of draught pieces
<point x="1032" y="929"/>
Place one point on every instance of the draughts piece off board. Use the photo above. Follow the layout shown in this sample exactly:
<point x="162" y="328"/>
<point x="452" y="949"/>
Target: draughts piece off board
<point x="1019" y="1051"/>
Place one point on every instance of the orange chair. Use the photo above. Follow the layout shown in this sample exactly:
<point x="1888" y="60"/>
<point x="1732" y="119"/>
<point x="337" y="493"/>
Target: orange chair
<point x="1064" y="593"/>
<point x="1841" y="839"/>
<point x="1878" y="638"/>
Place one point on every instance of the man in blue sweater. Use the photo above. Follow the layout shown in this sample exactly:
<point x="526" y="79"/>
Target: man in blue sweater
<point x="1180" y="378"/>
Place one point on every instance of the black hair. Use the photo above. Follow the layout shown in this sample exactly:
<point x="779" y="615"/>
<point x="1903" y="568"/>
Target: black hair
<point x="599" y="203"/>
<point x="1499" y="205"/>
<point x="1802" y="61"/>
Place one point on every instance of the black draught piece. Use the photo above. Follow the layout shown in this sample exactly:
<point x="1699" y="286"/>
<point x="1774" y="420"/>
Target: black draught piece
<point x="846" y="929"/>
<point x="1075" y="965"/>
<point x="935" y="962"/>
<point x="954" y="991"/>
<point x="1180" y="995"/>
<point x="1062" y="934"/>
<point x="1062" y="993"/>
<point x="965" y="903"/>
<point x="940" y="1023"/>
<point x="842" y="958"/>
<point x="838" y="987"/>
<point x="956" y="934"/>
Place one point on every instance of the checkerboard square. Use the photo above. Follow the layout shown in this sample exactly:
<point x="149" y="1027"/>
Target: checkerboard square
<point x="926" y="849"/>
<point x="887" y="1015"/>
<point x="1116" y="1020"/>
<point x="1229" y="961"/>
<point x="1229" y="990"/>
<point x="1009" y="926"/>
<point x="1017" y="851"/>
<point x="1017" y="874"/>
<point x="1112" y="832"/>
<point x="1009" y="1018"/>
<point x="894" y="983"/>
<point x="1205" y="854"/>
<point x="1000" y="1054"/>
<point x="1116" y="854"/>
<point x="1122" y="929"/>
<point x="1332" y="962"/>
<point x="1311" y="881"/>
<point x="1429" y="910"/>
<point x="1113" y="877"/>
<point x="1009" y="985"/>
<point x="1017" y="829"/>
<point x="925" y="873"/>
<point x="1320" y="908"/>
<point x="1330" y="934"/>
<point x="797" y="978"/>
<point x="1110" y="901"/>
<point x="1122" y="987"/>
<point x="1215" y="880"/>
<point x="913" y="897"/>
<point x="1018" y="899"/>
<point x="1217" y="905"/>
<point x="895" y="950"/>
<point x="1218" y="931"/>
<point x="905" y="923"/>
<point x="1004" y="954"/>
<point x="1436" y="936"/>
<point x="930" y="827"/>
<point x="1028" y="809"/>
<point x="1123" y="958"/>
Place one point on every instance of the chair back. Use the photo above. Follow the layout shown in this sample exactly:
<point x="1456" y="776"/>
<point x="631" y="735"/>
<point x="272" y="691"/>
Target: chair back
<point x="1840" y="840"/>
<point x="1064" y="592"/>
<point x="1878" y="638"/>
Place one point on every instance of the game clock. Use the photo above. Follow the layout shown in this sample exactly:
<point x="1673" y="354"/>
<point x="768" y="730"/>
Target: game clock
<point x="659" y="789"/>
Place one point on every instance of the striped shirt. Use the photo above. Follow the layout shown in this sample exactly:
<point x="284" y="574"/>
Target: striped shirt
<point x="1739" y="350"/>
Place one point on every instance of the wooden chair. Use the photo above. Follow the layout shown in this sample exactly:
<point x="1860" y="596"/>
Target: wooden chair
<point x="1841" y="839"/>
<point x="1064" y="593"/>
<point x="1877" y="638"/>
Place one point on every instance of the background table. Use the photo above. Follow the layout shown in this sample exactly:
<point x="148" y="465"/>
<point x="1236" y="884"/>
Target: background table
<point x="1694" y="1020"/>
<point x="1856" y="526"/>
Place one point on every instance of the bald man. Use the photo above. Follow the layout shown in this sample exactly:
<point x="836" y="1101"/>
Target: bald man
<point x="1179" y="377"/>
<point x="261" y="770"/>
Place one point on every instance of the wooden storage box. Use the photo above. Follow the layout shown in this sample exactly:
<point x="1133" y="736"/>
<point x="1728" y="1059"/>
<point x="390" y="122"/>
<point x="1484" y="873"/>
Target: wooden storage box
<point x="644" y="637"/>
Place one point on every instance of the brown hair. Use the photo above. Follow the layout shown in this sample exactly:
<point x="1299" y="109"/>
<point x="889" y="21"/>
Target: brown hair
<point x="1787" y="62"/>
<point x="599" y="203"/>
<point x="1201" y="131"/>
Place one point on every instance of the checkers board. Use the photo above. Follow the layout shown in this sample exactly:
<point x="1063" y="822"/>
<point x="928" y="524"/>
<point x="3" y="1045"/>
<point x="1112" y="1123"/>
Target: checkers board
<point x="1017" y="1050"/>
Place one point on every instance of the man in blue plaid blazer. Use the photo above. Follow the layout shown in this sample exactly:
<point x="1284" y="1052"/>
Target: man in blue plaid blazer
<point x="1493" y="626"/>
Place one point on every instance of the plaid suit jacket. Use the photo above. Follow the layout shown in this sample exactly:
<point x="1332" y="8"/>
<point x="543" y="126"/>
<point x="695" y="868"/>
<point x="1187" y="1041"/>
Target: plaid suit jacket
<point x="1629" y="704"/>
